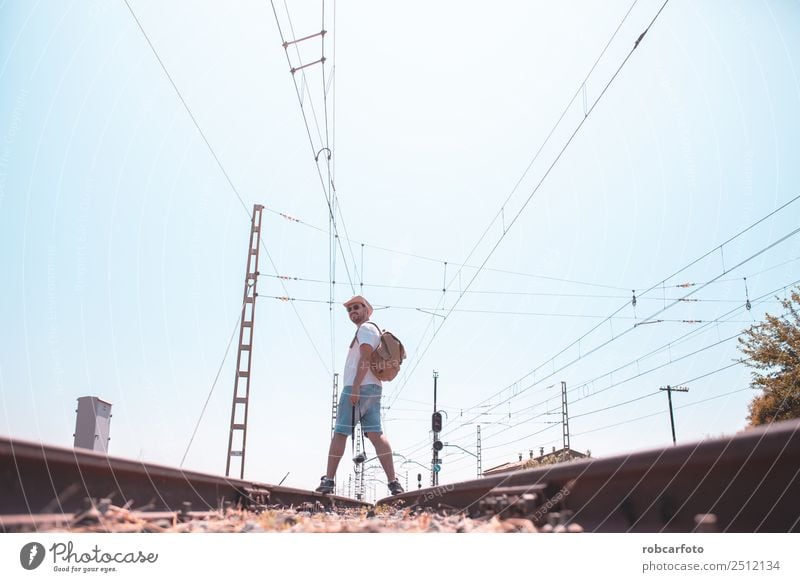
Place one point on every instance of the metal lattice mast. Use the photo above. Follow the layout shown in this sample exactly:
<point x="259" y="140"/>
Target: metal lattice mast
<point x="359" y="467"/>
<point x="241" y="380"/>
<point x="564" y="416"/>
<point x="334" y="403"/>
<point x="480" y="470"/>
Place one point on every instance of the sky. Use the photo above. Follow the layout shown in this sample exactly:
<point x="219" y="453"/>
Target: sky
<point x="126" y="193"/>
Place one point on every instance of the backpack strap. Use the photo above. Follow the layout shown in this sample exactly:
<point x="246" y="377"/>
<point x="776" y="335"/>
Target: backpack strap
<point x="355" y="337"/>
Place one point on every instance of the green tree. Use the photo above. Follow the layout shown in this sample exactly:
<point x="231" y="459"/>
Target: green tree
<point x="773" y="350"/>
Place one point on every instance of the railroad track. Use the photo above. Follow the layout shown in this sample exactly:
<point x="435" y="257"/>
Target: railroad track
<point x="746" y="483"/>
<point x="44" y="485"/>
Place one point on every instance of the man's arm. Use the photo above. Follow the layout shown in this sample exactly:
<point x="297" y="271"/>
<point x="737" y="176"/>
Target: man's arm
<point x="365" y="352"/>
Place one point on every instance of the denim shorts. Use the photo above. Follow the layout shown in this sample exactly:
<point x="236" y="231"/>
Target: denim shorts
<point x="368" y="410"/>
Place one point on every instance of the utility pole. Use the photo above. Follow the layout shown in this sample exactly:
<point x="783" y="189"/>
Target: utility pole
<point x="669" y="390"/>
<point x="480" y="471"/>
<point x="244" y="359"/>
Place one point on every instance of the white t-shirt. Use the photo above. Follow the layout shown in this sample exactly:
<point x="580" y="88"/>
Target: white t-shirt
<point x="367" y="333"/>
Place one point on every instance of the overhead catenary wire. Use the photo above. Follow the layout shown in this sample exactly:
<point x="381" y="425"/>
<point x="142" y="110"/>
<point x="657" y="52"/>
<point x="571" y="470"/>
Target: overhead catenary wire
<point x="397" y="287"/>
<point x="407" y="376"/>
<point x="581" y="87"/>
<point x="417" y="357"/>
<point x="627" y="421"/>
<point x="652" y="316"/>
<point x="428" y="310"/>
<point x="578" y="386"/>
<point x="326" y="187"/>
<point x="475" y="418"/>
<point x="326" y="190"/>
<point x="735" y="363"/>
<point x="660" y="413"/>
<point x="439" y="260"/>
<point x="331" y="230"/>
<point x="524" y="421"/>
<point x="219" y="164"/>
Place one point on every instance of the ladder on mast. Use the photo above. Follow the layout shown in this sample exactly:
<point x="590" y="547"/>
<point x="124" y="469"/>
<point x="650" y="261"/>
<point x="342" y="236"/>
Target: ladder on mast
<point x="241" y="380"/>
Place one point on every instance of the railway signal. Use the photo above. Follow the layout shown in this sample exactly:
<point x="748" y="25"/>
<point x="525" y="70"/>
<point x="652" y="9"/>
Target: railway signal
<point x="436" y="422"/>
<point x="436" y="427"/>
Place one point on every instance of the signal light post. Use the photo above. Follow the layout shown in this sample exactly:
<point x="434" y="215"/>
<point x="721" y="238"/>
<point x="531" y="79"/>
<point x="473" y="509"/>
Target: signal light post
<point x="436" y="426"/>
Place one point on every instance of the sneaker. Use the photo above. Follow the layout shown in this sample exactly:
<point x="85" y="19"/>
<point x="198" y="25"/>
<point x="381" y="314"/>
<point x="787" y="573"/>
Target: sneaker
<point x="395" y="487"/>
<point x="325" y="485"/>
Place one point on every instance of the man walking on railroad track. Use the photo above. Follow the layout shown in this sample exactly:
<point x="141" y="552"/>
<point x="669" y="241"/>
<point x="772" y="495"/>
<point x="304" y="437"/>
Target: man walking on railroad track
<point x="361" y="395"/>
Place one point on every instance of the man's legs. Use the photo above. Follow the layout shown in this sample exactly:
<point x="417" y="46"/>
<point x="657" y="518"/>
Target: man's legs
<point x="384" y="451"/>
<point x="335" y="453"/>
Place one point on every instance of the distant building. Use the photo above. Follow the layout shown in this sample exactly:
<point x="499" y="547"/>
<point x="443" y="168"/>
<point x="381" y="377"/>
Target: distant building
<point x="93" y="424"/>
<point x="551" y="458"/>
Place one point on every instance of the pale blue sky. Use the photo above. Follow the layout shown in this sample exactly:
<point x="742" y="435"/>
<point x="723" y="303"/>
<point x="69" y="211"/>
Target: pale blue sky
<point x="123" y="245"/>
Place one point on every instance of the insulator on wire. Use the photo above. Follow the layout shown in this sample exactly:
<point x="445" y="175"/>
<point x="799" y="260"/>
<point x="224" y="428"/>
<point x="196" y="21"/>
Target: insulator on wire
<point x="747" y="305"/>
<point x="633" y="301"/>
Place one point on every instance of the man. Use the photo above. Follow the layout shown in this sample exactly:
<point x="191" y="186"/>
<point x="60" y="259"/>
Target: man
<point x="362" y="391"/>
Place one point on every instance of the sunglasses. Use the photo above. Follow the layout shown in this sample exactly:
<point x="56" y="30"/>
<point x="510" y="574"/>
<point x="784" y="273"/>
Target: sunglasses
<point x="353" y="307"/>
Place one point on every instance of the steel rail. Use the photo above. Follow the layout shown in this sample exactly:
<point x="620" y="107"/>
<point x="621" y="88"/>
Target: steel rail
<point x="745" y="483"/>
<point x="38" y="480"/>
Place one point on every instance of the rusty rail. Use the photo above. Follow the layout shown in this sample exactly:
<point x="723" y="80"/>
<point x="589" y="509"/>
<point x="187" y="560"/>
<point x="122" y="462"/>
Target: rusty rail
<point x="746" y="483"/>
<point x="43" y="480"/>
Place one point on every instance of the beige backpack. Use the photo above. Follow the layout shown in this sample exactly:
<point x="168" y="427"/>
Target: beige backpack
<point x="387" y="357"/>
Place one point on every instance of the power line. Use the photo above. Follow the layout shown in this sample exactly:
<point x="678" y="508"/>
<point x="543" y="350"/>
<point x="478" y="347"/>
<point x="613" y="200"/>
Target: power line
<point x="659" y="413"/>
<point x="672" y="361"/>
<point x="657" y="285"/>
<point x="500" y="213"/>
<point x="211" y="391"/>
<point x="216" y="159"/>
<point x="527" y="293"/>
<point x="314" y="153"/>
<point x="757" y="300"/>
<point x="633" y="377"/>
<point x="432" y="323"/>
<point x="530" y="197"/>
<point x="629" y="421"/>
<point x="438" y="260"/>
<point x="286" y="298"/>
<point x="625" y="332"/>
<point x="188" y="110"/>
